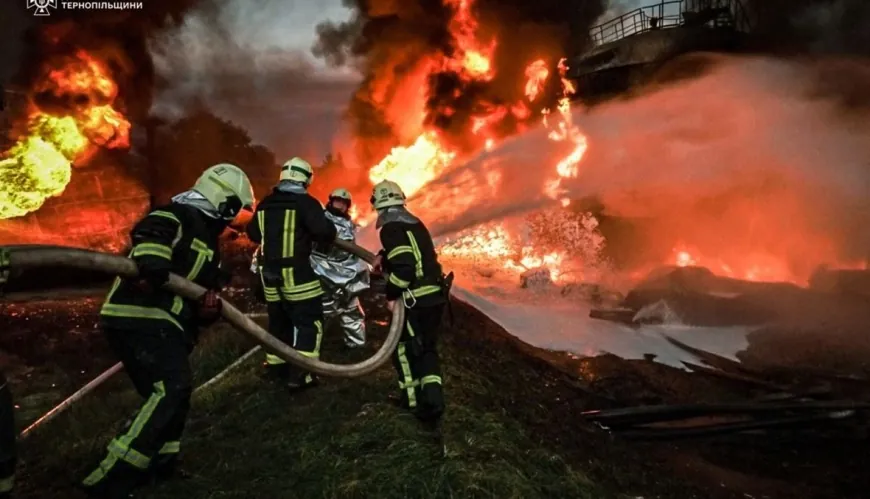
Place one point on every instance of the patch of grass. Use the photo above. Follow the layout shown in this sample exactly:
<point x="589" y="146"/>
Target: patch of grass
<point x="511" y="432"/>
<point x="344" y="440"/>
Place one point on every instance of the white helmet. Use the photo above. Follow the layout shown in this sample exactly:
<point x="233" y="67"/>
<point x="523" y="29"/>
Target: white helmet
<point x="387" y="193"/>
<point x="227" y="188"/>
<point x="297" y="170"/>
<point x="340" y="193"/>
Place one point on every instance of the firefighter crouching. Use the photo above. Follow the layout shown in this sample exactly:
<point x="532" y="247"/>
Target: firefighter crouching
<point x="7" y="439"/>
<point x="286" y="224"/>
<point x="343" y="276"/>
<point x="417" y="283"/>
<point x="153" y="330"/>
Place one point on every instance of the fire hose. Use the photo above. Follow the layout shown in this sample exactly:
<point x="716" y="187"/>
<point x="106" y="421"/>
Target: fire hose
<point x="23" y="257"/>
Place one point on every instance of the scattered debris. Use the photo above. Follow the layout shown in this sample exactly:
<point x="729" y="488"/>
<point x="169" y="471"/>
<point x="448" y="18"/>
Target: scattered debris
<point x="676" y="421"/>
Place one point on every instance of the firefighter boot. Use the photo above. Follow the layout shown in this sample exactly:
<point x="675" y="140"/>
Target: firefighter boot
<point x="298" y="380"/>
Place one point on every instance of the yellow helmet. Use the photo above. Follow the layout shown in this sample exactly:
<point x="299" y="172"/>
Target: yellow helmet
<point x="387" y="193"/>
<point x="227" y="188"/>
<point x="340" y="193"/>
<point x="297" y="170"/>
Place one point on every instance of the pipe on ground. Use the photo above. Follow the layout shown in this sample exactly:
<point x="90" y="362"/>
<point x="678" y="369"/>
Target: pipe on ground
<point x="22" y="257"/>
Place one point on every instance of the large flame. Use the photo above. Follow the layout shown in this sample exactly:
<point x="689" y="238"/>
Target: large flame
<point x="39" y="165"/>
<point x="414" y="166"/>
<point x="506" y="244"/>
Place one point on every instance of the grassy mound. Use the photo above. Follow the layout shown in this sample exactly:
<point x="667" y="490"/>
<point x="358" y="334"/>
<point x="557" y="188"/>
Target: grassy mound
<point x="511" y="431"/>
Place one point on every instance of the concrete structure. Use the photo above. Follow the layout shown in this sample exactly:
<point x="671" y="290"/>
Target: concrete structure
<point x="628" y="49"/>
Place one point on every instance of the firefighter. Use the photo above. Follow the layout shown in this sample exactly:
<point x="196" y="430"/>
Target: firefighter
<point x="7" y="439"/>
<point x="286" y="224"/>
<point x="416" y="282"/>
<point x="343" y="275"/>
<point x="153" y="331"/>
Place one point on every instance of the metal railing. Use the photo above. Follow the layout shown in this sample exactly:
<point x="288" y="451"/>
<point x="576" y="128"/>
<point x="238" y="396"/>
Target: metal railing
<point x="672" y="14"/>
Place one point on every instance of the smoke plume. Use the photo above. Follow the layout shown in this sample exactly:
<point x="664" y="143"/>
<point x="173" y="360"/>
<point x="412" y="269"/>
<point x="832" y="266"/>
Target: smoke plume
<point x="119" y="38"/>
<point x="400" y="47"/>
<point x="818" y="26"/>
<point x="616" y="8"/>
<point x="247" y="62"/>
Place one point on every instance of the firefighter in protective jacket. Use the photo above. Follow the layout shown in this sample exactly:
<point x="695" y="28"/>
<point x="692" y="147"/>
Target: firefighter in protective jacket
<point x="344" y="276"/>
<point x="286" y="224"/>
<point x="154" y="330"/>
<point x="416" y="282"/>
<point x="7" y="439"/>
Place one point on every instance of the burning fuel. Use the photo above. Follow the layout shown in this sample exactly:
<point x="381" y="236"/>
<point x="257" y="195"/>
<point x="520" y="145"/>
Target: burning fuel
<point x="477" y="126"/>
<point x="745" y="170"/>
<point x="70" y="115"/>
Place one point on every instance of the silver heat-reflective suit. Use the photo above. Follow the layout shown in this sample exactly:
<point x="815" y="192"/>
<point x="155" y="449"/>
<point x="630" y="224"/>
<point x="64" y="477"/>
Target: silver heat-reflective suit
<point x="344" y="277"/>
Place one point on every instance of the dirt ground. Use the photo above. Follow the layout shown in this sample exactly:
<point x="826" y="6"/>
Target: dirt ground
<point x="51" y="346"/>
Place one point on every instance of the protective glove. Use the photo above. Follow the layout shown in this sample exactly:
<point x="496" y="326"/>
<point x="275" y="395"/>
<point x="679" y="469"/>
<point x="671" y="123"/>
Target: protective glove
<point x="378" y="266"/>
<point x="210" y="306"/>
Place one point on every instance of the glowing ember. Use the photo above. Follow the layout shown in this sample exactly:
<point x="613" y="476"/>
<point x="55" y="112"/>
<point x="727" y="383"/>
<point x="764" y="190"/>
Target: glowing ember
<point x="39" y="164"/>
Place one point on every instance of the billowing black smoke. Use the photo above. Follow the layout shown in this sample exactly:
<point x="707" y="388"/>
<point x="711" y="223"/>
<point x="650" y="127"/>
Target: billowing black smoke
<point x="832" y="27"/>
<point x="118" y="38"/>
<point x="388" y="39"/>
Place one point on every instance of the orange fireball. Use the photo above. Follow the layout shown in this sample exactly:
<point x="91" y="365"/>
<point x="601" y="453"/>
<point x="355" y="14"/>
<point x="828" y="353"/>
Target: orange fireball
<point x="39" y="165"/>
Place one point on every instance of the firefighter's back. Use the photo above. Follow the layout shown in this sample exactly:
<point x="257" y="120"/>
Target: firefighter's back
<point x="289" y="224"/>
<point x="176" y="238"/>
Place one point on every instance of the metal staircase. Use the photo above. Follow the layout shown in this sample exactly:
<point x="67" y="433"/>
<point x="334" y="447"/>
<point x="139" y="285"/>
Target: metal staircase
<point x="725" y="14"/>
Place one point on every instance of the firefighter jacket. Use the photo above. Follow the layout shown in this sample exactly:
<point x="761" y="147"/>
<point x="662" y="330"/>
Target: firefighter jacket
<point x="410" y="259"/>
<point x="176" y="238"/>
<point x="340" y="271"/>
<point x="286" y="225"/>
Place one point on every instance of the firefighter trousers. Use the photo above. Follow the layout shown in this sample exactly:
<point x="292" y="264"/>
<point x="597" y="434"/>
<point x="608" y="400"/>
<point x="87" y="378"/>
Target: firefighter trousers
<point x="299" y="324"/>
<point x="417" y="363"/>
<point x="7" y="438"/>
<point x="156" y="359"/>
<point x="348" y="313"/>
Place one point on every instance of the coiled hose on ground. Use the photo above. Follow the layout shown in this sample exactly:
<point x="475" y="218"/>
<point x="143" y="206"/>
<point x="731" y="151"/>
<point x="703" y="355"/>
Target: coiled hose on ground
<point x="22" y="257"/>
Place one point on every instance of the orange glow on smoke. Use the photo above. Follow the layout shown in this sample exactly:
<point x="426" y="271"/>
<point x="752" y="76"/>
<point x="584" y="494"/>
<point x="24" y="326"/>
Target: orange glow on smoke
<point x="756" y="267"/>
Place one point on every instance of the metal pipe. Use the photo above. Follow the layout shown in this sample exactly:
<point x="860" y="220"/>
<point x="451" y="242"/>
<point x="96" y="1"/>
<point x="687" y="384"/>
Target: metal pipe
<point x="75" y="397"/>
<point x="102" y="378"/>
<point x="229" y="368"/>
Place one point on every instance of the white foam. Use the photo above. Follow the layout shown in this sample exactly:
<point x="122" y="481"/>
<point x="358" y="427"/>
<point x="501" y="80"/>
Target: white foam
<point x="558" y="324"/>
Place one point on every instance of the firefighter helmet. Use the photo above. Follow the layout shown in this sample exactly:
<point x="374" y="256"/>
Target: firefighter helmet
<point x="227" y="188"/>
<point x="387" y="193"/>
<point x="297" y="170"/>
<point x="341" y="193"/>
